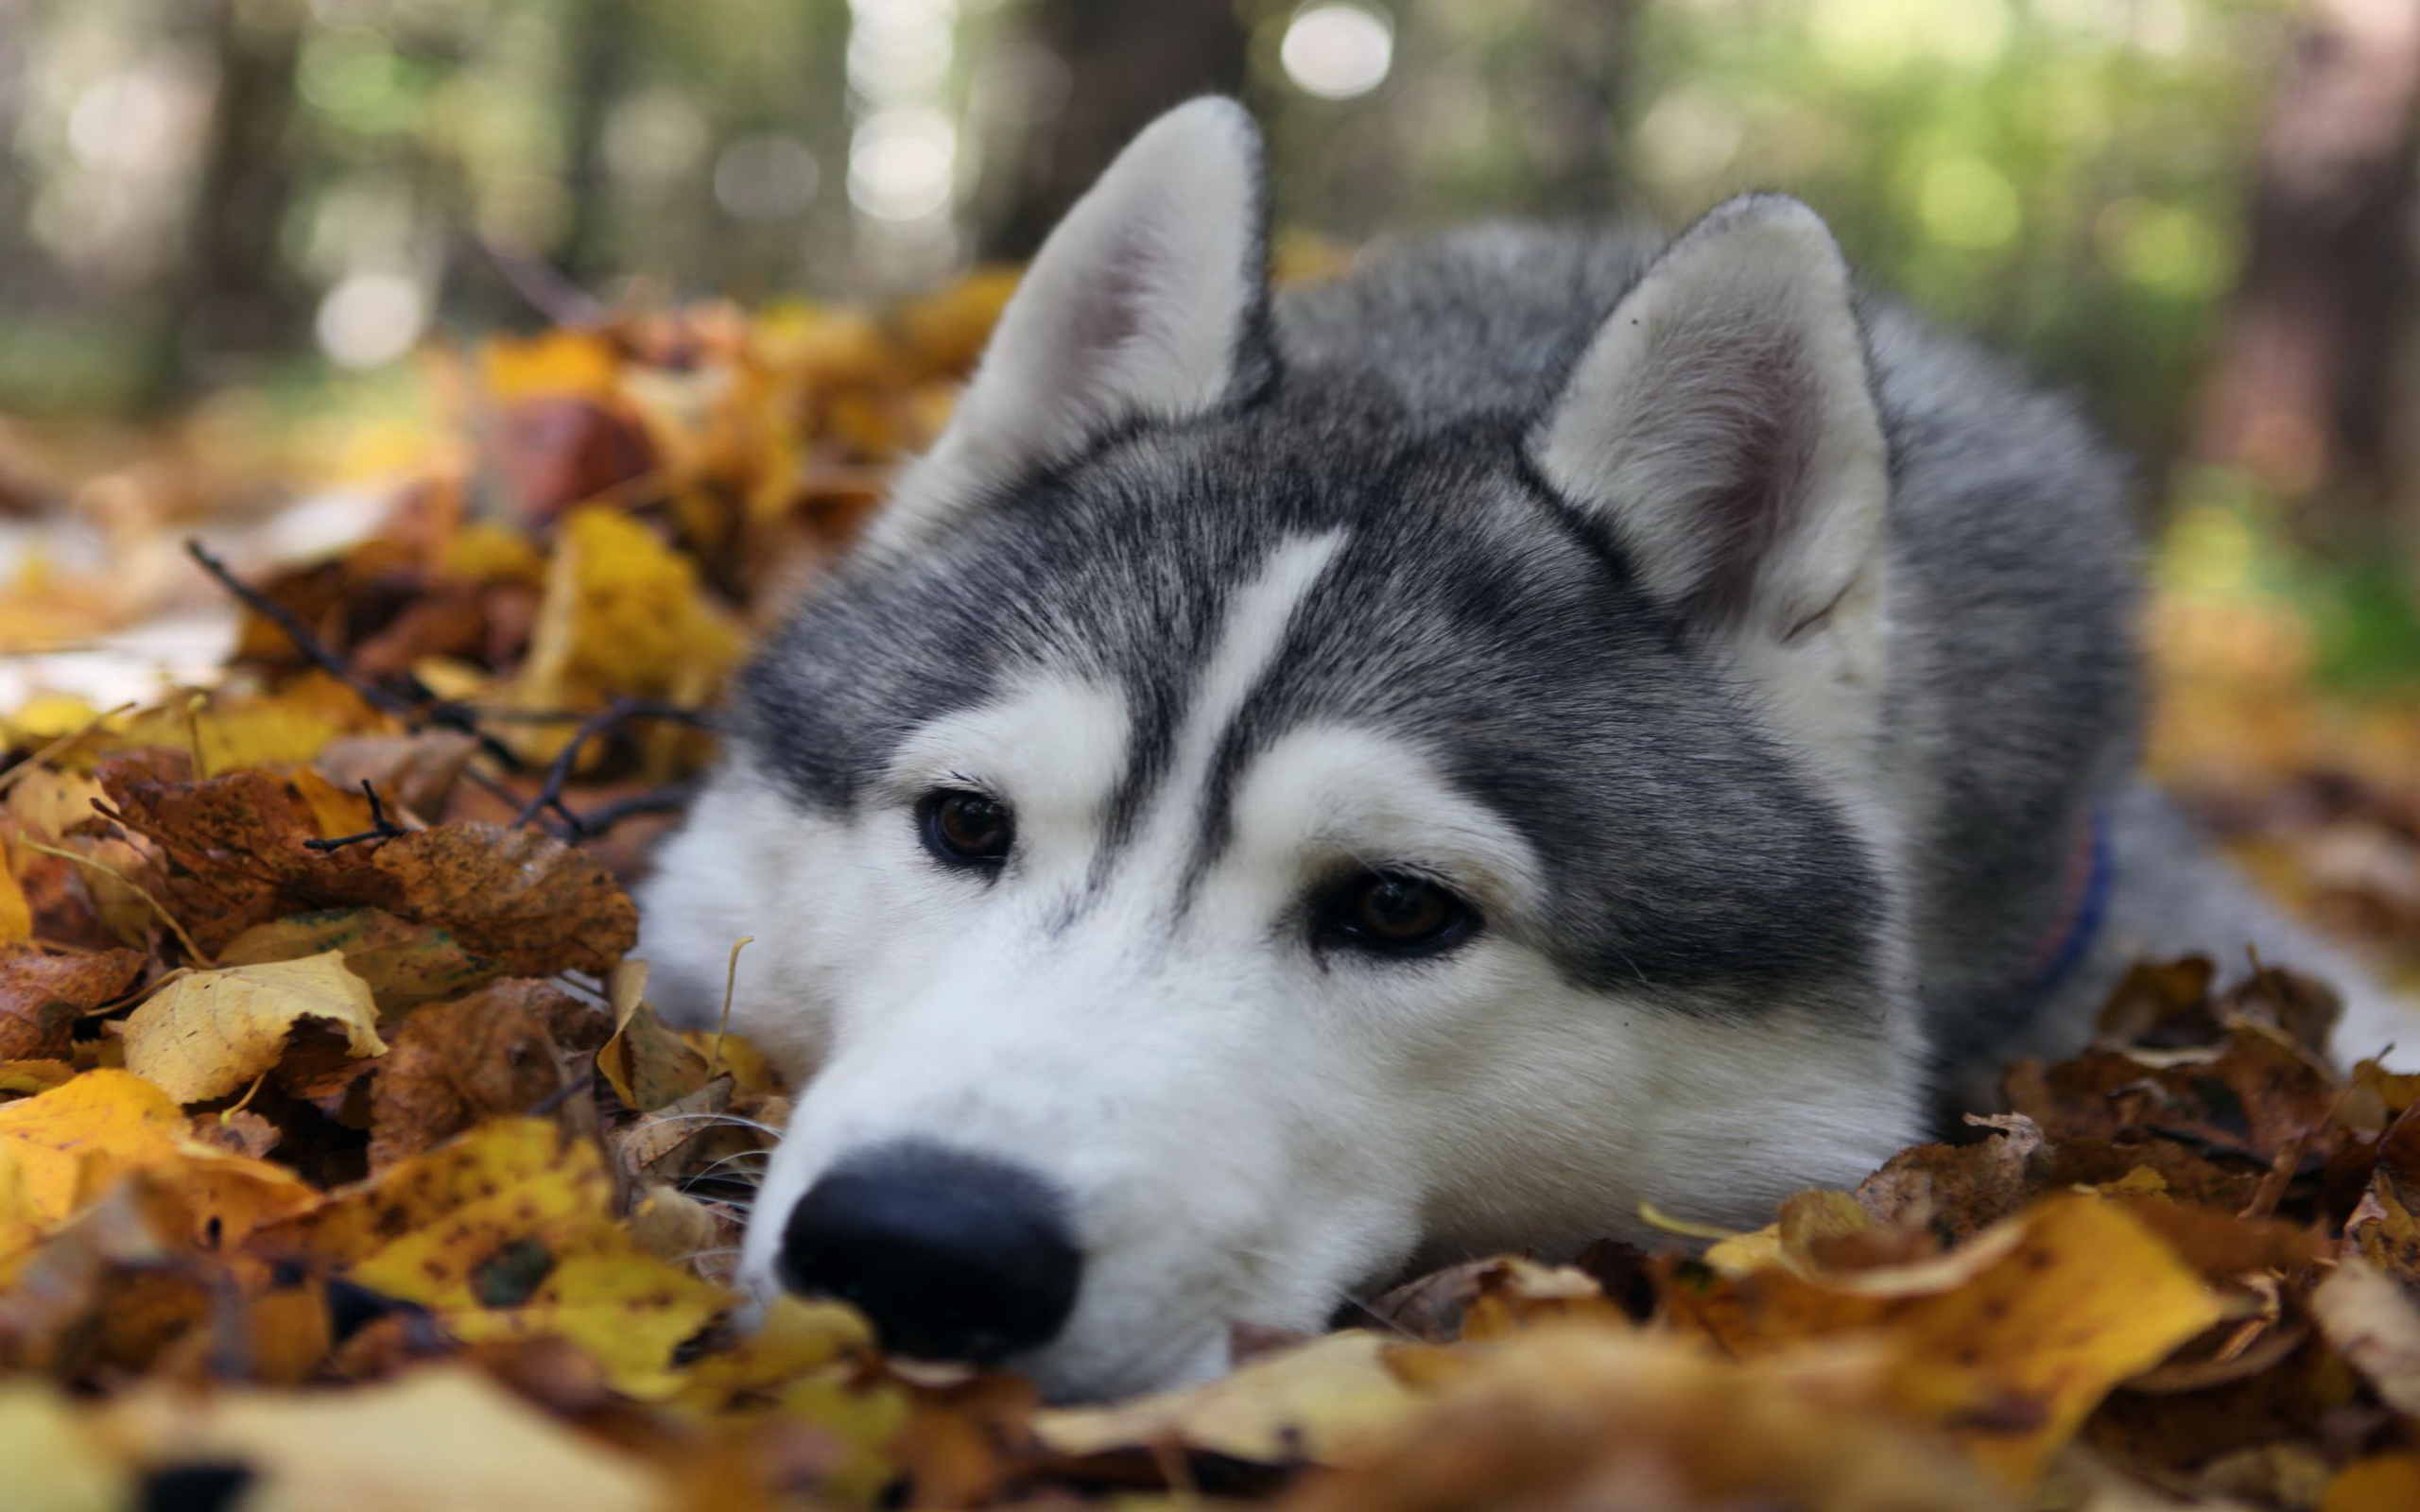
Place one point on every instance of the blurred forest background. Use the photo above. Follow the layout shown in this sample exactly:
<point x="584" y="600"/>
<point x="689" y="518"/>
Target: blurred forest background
<point x="2201" y="212"/>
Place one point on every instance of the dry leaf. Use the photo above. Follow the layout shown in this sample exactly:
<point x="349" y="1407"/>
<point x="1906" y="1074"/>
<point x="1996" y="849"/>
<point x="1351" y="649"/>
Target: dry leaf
<point x="441" y="1437"/>
<point x="1318" y="1404"/>
<point x="43" y="994"/>
<point x="207" y="1034"/>
<point x="455" y="1065"/>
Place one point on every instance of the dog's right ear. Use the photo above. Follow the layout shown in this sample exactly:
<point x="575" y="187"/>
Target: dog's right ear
<point x="1150" y="301"/>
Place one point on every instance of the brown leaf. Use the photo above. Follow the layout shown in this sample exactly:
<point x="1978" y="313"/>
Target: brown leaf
<point x="457" y="1064"/>
<point x="519" y="898"/>
<point x="1956" y="1190"/>
<point x="43" y="994"/>
<point x="405" y="963"/>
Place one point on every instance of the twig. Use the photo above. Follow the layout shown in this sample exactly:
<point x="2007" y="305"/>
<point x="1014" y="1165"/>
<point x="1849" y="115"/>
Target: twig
<point x="563" y="1094"/>
<point x="550" y="795"/>
<point x="668" y="799"/>
<point x="381" y="828"/>
<point x="140" y="891"/>
<point x="413" y="714"/>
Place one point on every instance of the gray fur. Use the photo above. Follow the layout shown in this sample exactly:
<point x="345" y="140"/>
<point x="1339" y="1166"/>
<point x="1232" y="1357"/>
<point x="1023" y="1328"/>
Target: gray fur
<point x="1473" y="611"/>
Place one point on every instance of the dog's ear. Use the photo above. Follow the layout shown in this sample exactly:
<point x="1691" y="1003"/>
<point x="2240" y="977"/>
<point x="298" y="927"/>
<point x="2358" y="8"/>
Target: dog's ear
<point x="1722" y="427"/>
<point x="1150" y="301"/>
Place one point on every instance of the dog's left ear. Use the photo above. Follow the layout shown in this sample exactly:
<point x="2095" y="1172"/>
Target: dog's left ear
<point x="1721" y="426"/>
<point x="1148" y="302"/>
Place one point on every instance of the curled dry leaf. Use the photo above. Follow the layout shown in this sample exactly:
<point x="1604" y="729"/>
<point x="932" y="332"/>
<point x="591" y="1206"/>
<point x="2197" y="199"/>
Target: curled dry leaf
<point x="2008" y="1342"/>
<point x="207" y="1034"/>
<point x="2375" y="1325"/>
<point x="455" y="1065"/>
<point x="42" y="994"/>
<point x="236" y="858"/>
<point x="524" y="900"/>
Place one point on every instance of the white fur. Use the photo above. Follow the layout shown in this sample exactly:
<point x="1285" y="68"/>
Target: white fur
<point x="1134" y="306"/>
<point x="1249" y="1128"/>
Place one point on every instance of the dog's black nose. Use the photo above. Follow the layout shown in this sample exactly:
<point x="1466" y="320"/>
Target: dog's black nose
<point x="952" y="1256"/>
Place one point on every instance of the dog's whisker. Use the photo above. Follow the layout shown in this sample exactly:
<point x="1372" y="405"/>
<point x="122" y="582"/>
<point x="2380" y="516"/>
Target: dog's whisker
<point x="732" y="1120"/>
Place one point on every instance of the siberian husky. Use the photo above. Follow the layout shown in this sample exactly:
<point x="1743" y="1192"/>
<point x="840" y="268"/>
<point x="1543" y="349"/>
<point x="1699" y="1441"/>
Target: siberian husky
<point x="1299" y="787"/>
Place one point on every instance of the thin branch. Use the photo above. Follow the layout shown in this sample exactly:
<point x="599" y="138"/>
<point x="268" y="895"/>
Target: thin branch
<point x="668" y="799"/>
<point x="381" y="828"/>
<point x="291" y="626"/>
<point x="550" y="794"/>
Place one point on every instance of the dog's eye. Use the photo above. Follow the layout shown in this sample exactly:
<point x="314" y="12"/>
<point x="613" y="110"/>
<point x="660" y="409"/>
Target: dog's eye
<point x="1396" y="914"/>
<point x="967" y="828"/>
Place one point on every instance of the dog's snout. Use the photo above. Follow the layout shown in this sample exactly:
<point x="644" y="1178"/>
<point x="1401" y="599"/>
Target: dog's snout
<point x="952" y="1256"/>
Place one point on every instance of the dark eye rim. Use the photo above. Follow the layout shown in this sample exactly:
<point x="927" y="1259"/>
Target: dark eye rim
<point x="931" y="827"/>
<point x="1336" y="924"/>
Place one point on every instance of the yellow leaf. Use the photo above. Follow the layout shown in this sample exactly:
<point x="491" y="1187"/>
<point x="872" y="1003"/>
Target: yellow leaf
<point x="2383" y="1483"/>
<point x="106" y="1116"/>
<point x="1320" y="1403"/>
<point x="208" y="1033"/>
<point x="16" y="914"/>
<point x="45" y="802"/>
<point x="444" y="1436"/>
<point x="623" y="614"/>
<point x="70" y="1144"/>
<point x="56" y="1462"/>
<point x="2024" y="1328"/>
<point x="630" y="1310"/>
<point x="508" y="1233"/>
<point x="558" y="362"/>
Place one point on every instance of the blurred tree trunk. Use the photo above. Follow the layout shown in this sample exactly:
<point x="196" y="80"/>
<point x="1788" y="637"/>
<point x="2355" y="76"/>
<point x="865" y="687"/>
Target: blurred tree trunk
<point x="232" y="295"/>
<point x="600" y="74"/>
<point x="2304" y="395"/>
<point x="1580" y="60"/>
<point x="1126" y="63"/>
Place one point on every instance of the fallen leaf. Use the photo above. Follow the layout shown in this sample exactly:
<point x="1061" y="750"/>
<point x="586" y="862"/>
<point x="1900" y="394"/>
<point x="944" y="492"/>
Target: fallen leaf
<point x="507" y="1232"/>
<point x="57" y="1462"/>
<point x="2373" y="1323"/>
<point x="207" y="1034"/>
<point x="443" y="1436"/>
<point x="1319" y="1405"/>
<point x="2008" y="1342"/>
<point x="43" y="993"/>
<point x="69" y="1144"/>
<point x="524" y="900"/>
<point x="403" y="962"/>
<point x="457" y="1064"/>
<point x="2382" y="1483"/>
<point x="1582" y="1415"/>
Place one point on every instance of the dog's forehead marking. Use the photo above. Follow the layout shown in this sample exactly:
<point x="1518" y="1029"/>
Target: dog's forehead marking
<point x="1251" y="637"/>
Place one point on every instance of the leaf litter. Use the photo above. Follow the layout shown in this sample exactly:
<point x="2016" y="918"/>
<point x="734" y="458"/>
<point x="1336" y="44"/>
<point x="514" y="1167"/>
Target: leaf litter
<point x="343" y="1163"/>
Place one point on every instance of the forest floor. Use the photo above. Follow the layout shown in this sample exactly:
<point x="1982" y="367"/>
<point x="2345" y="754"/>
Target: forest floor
<point x="342" y="1160"/>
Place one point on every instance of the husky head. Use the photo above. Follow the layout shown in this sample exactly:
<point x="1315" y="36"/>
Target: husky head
<point x="1252" y="820"/>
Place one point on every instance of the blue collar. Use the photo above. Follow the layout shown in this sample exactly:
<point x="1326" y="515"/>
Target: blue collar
<point x="2095" y="874"/>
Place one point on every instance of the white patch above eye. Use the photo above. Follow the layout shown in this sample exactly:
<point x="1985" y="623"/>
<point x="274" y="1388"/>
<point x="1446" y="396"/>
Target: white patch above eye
<point x="1050" y="748"/>
<point x="1322" y="794"/>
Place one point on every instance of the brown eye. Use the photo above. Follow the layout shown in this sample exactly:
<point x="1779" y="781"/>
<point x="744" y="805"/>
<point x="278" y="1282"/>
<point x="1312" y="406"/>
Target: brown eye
<point x="967" y="828"/>
<point x="1391" y="912"/>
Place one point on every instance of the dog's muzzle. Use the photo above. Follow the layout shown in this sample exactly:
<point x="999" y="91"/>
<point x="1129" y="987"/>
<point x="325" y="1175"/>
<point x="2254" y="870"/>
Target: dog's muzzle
<point x="952" y="1256"/>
